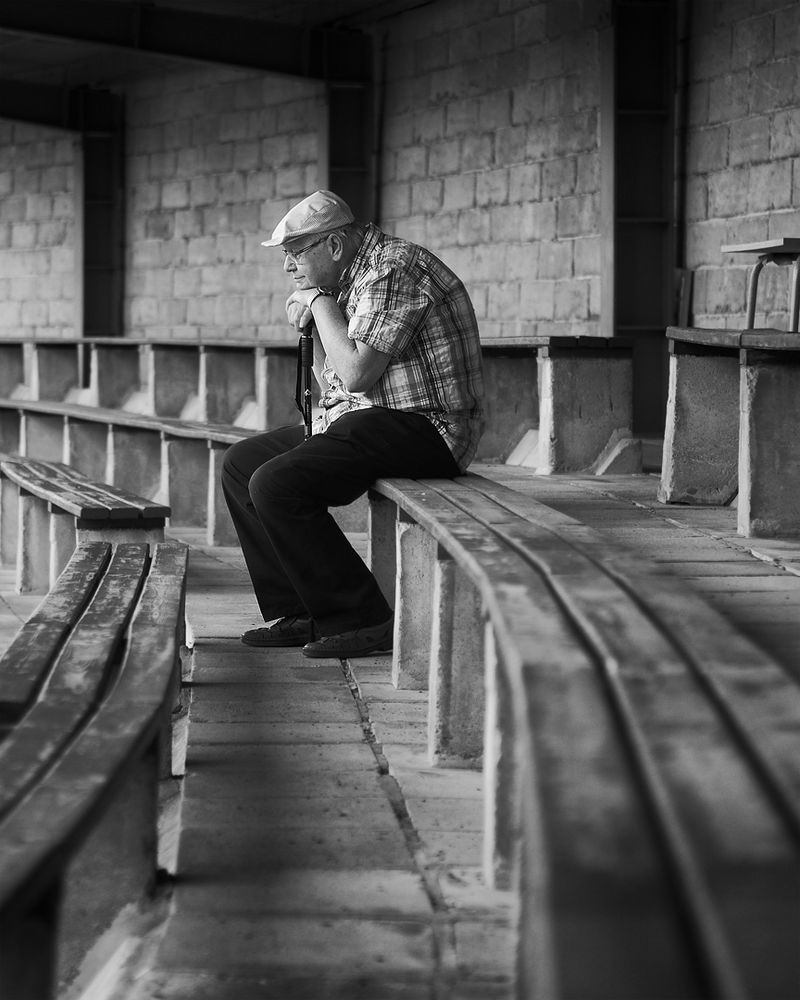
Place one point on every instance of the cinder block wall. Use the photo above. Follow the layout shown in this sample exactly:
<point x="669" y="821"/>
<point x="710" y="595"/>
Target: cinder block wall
<point x="490" y="155"/>
<point x="743" y="174"/>
<point x="38" y="258"/>
<point x="215" y="158"/>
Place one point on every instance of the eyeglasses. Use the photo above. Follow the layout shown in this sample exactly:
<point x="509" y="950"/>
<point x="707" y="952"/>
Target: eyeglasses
<point x="292" y="255"/>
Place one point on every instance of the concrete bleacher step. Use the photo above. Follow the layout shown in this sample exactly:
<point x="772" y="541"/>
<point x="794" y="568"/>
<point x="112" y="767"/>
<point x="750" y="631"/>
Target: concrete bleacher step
<point x="312" y="859"/>
<point x="319" y="854"/>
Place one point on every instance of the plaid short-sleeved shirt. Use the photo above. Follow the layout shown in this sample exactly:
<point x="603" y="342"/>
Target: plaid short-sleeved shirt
<point x="400" y="299"/>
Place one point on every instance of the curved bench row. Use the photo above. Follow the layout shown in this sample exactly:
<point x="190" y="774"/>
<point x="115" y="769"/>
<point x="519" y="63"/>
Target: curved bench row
<point x="641" y="758"/>
<point x="89" y="690"/>
<point x="575" y="390"/>
<point x="170" y="462"/>
<point x="47" y="509"/>
<point x="155" y="417"/>
<point x="226" y="382"/>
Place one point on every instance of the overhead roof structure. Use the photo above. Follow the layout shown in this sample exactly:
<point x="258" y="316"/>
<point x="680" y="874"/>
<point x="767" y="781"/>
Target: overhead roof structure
<point x="79" y="43"/>
<point x="63" y="63"/>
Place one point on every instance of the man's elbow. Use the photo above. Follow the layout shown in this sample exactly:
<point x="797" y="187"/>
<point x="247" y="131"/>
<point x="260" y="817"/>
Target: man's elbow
<point x="357" y="382"/>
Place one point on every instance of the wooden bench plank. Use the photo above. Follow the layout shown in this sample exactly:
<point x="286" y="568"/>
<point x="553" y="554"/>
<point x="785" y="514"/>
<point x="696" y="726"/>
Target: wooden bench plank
<point x="74" y="493"/>
<point x="81" y="846"/>
<point x="722" y="339"/>
<point x="223" y="433"/>
<point x="54" y="507"/>
<point x="114" y="495"/>
<point x="25" y="664"/>
<point x="759" y="699"/>
<point x="46" y="486"/>
<point x="766" y="339"/>
<point x="82" y="672"/>
<point x="706" y="758"/>
<point x="781" y="244"/>
<point x="538" y="644"/>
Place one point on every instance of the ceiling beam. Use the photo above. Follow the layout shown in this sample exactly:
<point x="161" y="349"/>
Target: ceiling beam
<point x="79" y="109"/>
<point x="318" y="53"/>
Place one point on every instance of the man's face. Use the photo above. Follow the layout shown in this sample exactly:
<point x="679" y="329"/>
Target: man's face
<point x="309" y="261"/>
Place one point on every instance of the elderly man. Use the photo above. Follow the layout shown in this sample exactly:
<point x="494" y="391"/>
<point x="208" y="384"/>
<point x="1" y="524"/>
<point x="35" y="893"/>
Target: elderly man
<point x="397" y="357"/>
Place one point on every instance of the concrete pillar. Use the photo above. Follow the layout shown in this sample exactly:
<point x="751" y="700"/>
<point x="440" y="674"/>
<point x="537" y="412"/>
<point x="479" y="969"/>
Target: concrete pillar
<point x="42" y="436"/>
<point x="106" y="532"/>
<point x="10" y="431"/>
<point x="382" y="543"/>
<point x="135" y="461"/>
<point x="9" y="521"/>
<point x="114" y="868"/>
<point x="500" y="773"/>
<point x="511" y="401"/>
<point x="277" y="376"/>
<point x="86" y="448"/>
<point x="769" y="456"/>
<point x="585" y="396"/>
<point x="456" y="684"/>
<point x="186" y="471"/>
<point x="701" y="437"/>
<point x="29" y="946"/>
<point x="54" y="370"/>
<point x="416" y="556"/>
<point x="227" y="382"/>
<point x="219" y="526"/>
<point x="33" y="545"/>
<point x="62" y="542"/>
<point x="173" y="374"/>
<point x="114" y="373"/>
<point x="12" y="368"/>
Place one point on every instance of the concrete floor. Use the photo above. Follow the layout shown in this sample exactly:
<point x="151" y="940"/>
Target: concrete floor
<point x="317" y="855"/>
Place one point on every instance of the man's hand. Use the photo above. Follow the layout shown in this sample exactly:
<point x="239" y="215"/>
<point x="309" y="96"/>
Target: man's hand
<point x="297" y="310"/>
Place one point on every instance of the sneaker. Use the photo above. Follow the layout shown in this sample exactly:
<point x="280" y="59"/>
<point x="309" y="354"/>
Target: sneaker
<point x="358" y="642"/>
<point x="289" y="631"/>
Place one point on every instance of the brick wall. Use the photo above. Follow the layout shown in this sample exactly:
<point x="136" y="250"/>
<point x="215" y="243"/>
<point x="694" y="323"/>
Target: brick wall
<point x="490" y="155"/>
<point x="215" y="158"/>
<point x="743" y="175"/>
<point x="37" y="231"/>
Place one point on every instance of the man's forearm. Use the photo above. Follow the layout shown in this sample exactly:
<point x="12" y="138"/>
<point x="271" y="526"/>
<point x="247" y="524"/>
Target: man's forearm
<point x="342" y="352"/>
<point x="356" y="364"/>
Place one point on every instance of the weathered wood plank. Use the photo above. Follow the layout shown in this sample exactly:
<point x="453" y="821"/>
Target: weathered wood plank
<point x="69" y="490"/>
<point x="100" y="791"/>
<point x="26" y="663"/>
<point x="221" y="433"/>
<point x="656" y="755"/>
<point x="83" y="671"/>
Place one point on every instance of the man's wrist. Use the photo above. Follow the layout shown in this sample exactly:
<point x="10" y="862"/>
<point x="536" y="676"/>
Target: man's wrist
<point x="315" y="295"/>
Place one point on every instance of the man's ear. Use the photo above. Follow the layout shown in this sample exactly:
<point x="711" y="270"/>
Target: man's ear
<point x="336" y="246"/>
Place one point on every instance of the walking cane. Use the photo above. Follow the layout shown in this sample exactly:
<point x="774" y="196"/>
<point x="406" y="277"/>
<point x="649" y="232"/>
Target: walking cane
<point x="305" y="365"/>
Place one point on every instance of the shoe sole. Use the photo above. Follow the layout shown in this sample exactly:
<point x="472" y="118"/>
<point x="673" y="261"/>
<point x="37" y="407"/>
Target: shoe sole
<point x="346" y="654"/>
<point x="276" y="643"/>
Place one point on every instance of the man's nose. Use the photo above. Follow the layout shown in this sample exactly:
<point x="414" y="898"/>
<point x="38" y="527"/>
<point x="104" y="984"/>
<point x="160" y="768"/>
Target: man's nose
<point x="289" y="264"/>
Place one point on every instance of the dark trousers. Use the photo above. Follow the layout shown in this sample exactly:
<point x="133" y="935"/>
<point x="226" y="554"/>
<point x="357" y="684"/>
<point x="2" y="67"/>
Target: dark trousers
<point x="279" y="487"/>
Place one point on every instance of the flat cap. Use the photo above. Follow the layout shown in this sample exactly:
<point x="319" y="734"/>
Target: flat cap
<point x="318" y="213"/>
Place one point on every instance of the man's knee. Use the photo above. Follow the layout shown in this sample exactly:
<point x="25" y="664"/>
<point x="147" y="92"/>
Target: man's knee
<point x="279" y="481"/>
<point x="233" y="462"/>
<point x="242" y="459"/>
